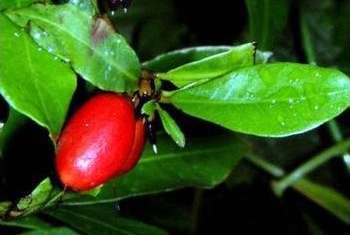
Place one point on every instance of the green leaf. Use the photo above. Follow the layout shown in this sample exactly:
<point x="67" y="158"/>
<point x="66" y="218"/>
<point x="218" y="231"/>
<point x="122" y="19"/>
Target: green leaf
<point x="102" y="220"/>
<point x="55" y="231"/>
<point x="37" y="199"/>
<point x="268" y="100"/>
<point x="205" y="162"/>
<point x="149" y="108"/>
<point x="31" y="80"/>
<point x="171" y="128"/>
<point x="28" y="222"/>
<point x="327" y="198"/>
<point x="11" y="4"/>
<point x="267" y="18"/>
<point x="212" y="66"/>
<point x="173" y="59"/>
<point x="94" y="50"/>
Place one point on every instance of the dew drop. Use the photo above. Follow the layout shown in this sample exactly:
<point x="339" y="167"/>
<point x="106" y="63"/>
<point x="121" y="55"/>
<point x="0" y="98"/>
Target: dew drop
<point x="50" y="49"/>
<point x="281" y="120"/>
<point x="273" y="101"/>
<point x="290" y="100"/>
<point x="112" y="13"/>
<point x="16" y="34"/>
<point x="40" y="49"/>
<point x="37" y="35"/>
<point x="316" y="107"/>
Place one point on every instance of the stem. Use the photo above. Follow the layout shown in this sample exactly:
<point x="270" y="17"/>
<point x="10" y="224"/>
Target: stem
<point x="310" y="165"/>
<point x="337" y="137"/>
<point x="265" y="165"/>
<point x="307" y="42"/>
<point x="197" y="201"/>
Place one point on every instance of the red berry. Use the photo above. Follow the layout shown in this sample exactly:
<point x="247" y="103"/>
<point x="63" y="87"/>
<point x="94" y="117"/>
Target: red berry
<point x="102" y="140"/>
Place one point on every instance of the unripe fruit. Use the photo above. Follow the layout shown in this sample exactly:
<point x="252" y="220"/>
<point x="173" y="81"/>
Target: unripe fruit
<point x="102" y="140"/>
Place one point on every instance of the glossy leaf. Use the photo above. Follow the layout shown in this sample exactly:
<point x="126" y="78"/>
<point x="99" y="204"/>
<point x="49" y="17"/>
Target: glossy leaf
<point x="327" y="198"/>
<point x="149" y="108"/>
<point x="50" y="231"/>
<point x="268" y="100"/>
<point x="95" y="51"/>
<point x="173" y="59"/>
<point x="171" y="127"/>
<point x="267" y="19"/>
<point x="212" y="66"/>
<point x="102" y="220"/>
<point x="37" y="199"/>
<point x="31" y="80"/>
<point x="204" y="162"/>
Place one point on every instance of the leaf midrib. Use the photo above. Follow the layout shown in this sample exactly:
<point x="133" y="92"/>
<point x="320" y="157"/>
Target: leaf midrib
<point x="36" y="87"/>
<point x="262" y="101"/>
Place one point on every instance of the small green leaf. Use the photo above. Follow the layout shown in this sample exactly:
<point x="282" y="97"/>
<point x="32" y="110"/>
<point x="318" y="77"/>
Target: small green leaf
<point x="94" y="50"/>
<point x="204" y="162"/>
<point x="148" y="108"/>
<point x="326" y="197"/>
<point x="37" y="199"/>
<point x="268" y="100"/>
<point x="212" y="66"/>
<point x="171" y="127"/>
<point x="102" y="220"/>
<point x="173" y="59"/>
<point x="267" y="18"/>
<point x="50" y="231"/>
<point x="31" y="80"/>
